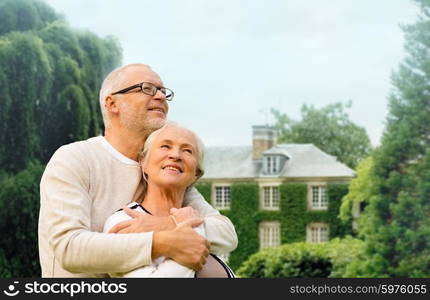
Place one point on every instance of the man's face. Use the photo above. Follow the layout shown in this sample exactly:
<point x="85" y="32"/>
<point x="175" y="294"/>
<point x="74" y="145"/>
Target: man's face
<point x="138" y="111"/>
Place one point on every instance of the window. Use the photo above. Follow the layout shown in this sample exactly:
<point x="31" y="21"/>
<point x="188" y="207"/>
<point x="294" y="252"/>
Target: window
<point x="270" y="197"/>
<point x="270" y="235"/>
<point x="317" y="233"/>
<point x="222" y="197"/>
<point x="319" y="197"/>
<point x="272" y="164"/>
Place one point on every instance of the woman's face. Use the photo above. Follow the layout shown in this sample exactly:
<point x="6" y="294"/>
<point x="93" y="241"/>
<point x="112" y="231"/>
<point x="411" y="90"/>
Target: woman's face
<point x="172" y="161"/>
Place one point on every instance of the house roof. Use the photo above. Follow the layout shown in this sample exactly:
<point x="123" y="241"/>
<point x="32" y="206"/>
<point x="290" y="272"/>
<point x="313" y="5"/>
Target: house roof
<point x="304" y="160"/>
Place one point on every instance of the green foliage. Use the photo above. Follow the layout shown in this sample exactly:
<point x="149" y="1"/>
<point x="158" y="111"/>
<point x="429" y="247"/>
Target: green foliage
<point x="19" y="135"/>
<point x="294" y="208"/>
<point x="205" y="190"/>
<point x="397" y="228"/>
<point x="243" y="213"/>
<point x="361" y="190"/>
<point x="290" y="260"/>
<point x="75" y="112"/>
<point x="335" y="193"/>
<point x="23" y="15"/>
<point x="342" y="253"/>
<point x="328" y="128"/>
<point x="293" y="215"/>
<point x="304" y="260"/>
<point x="19" y="209"/>
<point x="50" y="77"/>
<point x="296" y="215"/>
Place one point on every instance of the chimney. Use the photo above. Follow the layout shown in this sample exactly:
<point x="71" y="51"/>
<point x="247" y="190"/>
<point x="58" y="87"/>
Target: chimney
<point x="263" y="138"/>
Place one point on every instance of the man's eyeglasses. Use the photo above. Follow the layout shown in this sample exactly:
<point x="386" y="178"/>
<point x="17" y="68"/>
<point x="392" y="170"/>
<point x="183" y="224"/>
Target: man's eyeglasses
<point x="148" y="89"/>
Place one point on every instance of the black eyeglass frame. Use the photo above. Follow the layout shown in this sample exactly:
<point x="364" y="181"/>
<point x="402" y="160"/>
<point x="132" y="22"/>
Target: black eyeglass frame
<point x="140" y="85"/>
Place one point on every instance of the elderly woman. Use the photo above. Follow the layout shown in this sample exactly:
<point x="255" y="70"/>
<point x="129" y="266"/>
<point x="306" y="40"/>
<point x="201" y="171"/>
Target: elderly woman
<point x="171" y="161"/>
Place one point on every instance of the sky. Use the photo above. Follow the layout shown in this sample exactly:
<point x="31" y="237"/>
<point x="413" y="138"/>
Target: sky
<point x="230" y="61"/>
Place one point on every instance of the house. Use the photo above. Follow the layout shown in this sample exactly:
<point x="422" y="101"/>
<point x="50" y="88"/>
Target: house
<point x="270" y="167"/>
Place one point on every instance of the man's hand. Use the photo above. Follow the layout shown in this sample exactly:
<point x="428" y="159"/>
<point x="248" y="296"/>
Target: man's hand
<point x="183" y="245"/>
<point x="184" y="214"/>
<point x="142" y="222"/>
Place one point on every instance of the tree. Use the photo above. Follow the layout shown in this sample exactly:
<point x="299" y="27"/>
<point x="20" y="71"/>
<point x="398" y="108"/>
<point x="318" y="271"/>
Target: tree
<point x="328" y="128"/>
<point x="49" y="77"/>
<point x="49" y="80"/>
<point x="19" y="210"/>
<point x="23" y="15"/>
<point x="26" y="79"/>
<point x="397" y="229"/>
<point x="361" y="190"/>
<point x="301" y="259"/>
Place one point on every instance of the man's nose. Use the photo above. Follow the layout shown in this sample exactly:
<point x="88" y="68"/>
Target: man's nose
<point x="159" y="95"/>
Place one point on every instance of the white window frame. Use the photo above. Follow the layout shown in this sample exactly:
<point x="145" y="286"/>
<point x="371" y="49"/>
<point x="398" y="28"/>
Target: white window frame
<point x="321" y="204"/>
<point x="269" y="234"/>
<point x="223" y="205"/>
<point x="272" y="164"/>
<point x="271" y="187"/>
<point x="317" y="233"/>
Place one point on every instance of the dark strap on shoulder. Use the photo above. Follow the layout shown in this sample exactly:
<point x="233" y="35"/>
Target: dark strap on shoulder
<point x="227" y="269"/>
<point x="136" y="206"/>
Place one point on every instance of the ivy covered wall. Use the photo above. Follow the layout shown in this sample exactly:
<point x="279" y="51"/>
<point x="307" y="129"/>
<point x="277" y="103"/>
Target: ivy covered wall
<point x="293" y="215"/>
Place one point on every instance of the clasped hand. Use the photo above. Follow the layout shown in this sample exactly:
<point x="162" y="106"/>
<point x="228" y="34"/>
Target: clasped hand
<point x="175" y="237"/>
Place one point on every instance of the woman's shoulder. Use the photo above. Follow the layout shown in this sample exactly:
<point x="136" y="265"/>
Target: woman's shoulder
<point x="134" y="205"/>
<point x="120" y="216"/>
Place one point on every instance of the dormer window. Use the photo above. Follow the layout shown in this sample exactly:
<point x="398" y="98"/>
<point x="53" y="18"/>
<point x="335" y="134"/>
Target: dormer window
<point x="272" y="164"/>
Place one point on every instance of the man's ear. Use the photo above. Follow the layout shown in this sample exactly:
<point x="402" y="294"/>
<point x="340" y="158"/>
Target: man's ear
<point x="111" y="104"/>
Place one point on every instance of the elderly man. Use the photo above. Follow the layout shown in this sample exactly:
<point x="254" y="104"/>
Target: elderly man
<point x="86" y="181"/>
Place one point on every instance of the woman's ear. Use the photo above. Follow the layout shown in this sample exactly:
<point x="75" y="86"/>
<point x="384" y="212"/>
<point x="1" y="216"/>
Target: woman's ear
<point x="143" y="168"/>
<point x="143" y="165"/>
<point x="198" y="173"/>
<point x="196" y="177"/>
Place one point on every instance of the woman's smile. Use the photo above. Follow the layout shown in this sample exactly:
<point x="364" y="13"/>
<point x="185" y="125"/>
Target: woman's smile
<point x="173" y="167"/>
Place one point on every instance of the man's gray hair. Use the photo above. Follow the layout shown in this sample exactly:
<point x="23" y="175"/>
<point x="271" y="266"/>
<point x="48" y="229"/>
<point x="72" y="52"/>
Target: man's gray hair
<point x="199" y="150"/>
<point x="114" y="81"/>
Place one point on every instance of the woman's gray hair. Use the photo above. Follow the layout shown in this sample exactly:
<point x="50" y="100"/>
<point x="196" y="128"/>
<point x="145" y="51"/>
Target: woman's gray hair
<point x="144" y="154"/>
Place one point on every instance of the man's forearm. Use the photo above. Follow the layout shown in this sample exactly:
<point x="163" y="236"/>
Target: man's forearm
<point x="160" y="244"/>
<point x="91" y="252"/>
<point x="220" y="233"/>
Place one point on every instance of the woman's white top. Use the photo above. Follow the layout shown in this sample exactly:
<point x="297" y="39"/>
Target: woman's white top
<point x="160" y="267"/>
